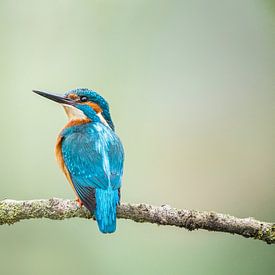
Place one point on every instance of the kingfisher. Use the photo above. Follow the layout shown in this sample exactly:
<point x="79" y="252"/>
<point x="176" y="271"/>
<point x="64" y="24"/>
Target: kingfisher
<point x="90" y="153"/>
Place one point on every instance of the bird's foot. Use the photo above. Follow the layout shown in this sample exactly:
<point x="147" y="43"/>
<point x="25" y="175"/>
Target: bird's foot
<point x="79" y="202"/>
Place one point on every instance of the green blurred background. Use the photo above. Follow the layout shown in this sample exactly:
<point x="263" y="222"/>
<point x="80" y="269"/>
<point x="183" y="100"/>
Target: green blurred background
<point x="191" y="89"/>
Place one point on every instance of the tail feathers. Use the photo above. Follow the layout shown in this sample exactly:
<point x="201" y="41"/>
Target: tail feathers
<point x="105" y="213"/>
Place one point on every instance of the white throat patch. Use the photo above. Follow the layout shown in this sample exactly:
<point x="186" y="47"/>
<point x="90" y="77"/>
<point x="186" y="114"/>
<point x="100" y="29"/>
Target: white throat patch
<point x="73" y="113"/>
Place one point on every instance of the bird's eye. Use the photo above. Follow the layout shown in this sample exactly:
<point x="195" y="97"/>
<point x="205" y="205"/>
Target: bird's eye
<point x="83" y="98"/>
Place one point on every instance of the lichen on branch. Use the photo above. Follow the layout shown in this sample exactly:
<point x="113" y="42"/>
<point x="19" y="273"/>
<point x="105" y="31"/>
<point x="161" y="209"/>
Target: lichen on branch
<point x="12" y="211"/>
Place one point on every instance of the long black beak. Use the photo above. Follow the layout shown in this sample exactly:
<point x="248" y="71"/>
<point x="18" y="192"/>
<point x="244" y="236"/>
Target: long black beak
<point x="57" y="98"/>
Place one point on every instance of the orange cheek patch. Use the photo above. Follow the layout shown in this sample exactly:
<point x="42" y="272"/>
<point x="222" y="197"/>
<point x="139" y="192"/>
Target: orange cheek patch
<point x="95" y="107"/>
<point x="72" y="96"/>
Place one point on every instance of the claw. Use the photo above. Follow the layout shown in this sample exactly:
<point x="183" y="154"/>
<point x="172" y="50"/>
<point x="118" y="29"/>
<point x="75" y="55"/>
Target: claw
<point x="79" y="202"/>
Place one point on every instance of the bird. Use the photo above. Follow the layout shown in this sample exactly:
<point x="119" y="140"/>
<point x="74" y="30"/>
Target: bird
<point x="90" y="153"/>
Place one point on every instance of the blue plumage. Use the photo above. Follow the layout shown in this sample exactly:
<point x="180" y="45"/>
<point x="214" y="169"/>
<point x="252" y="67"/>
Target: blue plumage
<point x="91" y="154"/>
<point x="106" y="202"/>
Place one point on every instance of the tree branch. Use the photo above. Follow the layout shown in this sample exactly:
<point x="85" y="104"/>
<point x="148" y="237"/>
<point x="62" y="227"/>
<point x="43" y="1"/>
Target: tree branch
<point x="12" y="211"/>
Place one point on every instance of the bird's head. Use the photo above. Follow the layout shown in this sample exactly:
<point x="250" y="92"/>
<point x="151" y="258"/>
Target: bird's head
<point x="78" y="102"/>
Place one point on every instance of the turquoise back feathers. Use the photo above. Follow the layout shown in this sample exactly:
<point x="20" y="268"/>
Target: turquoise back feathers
<point x="94" y="156"/>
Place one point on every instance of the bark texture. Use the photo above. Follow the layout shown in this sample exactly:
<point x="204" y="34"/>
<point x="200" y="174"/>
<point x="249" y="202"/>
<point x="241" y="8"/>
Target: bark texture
<point x="12" y="211"/>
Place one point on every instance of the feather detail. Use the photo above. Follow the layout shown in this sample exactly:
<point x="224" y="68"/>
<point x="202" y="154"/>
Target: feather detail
<point x="98" y="111"/>
<point x="106" y="204"/>
<point x="95" y="106"/>
<point x="91" y="156"/>
<point x="60" y="160"/>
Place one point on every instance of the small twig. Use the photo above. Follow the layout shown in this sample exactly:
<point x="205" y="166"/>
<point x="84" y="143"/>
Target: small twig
<point x="12" y="211"/>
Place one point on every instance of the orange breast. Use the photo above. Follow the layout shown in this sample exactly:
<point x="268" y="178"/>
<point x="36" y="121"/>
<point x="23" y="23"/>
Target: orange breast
<point x="76" y="122"/>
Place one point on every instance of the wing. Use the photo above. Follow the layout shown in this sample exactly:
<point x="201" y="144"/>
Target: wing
<point x="116" y="160"/>
<point x="94" y="159"/>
